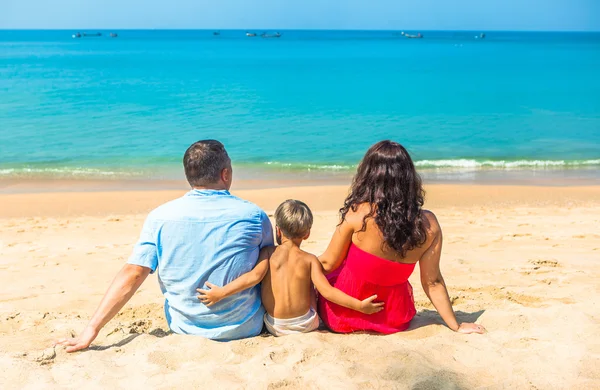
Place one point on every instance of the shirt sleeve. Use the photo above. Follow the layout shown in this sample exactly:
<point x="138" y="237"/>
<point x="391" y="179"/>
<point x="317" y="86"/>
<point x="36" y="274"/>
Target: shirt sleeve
<point x="267" y="231"/>
<point x="145" y="252"/>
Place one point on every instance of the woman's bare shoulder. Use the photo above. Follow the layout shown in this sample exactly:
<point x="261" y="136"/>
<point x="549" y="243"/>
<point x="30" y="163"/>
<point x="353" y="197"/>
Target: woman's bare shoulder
<point x="355" y="218"/>
<point x="431" y="223"/>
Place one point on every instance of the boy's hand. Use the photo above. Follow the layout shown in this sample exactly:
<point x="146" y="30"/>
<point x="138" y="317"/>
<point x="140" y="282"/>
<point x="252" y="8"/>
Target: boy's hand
<point x="212" y="296"/>
<point x="367" y="306"/>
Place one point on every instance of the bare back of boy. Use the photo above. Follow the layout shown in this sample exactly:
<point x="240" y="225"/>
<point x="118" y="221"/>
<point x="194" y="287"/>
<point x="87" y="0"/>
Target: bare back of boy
<point x="287" y="289"/>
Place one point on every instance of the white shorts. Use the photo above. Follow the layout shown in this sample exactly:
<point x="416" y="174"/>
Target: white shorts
<point x="303" y="324"/>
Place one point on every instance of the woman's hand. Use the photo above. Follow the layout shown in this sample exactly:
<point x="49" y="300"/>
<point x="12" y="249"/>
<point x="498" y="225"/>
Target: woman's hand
<point x="212" y="296"/>
<point x="367" y="306"/>
<point x="467" y="328"/>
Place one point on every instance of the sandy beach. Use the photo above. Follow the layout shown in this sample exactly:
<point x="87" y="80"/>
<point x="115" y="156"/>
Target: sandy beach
<point x="523" y="261"/>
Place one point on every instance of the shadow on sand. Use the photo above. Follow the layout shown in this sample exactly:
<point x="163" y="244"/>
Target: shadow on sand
<point x="431" y="317"/>
<point x="160" y="333"/>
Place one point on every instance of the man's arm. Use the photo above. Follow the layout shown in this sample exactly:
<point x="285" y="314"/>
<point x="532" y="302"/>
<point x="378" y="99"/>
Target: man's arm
<point x="125" y="284"/>
<point x="244" y="282"/>
<point x="267" y="231"/>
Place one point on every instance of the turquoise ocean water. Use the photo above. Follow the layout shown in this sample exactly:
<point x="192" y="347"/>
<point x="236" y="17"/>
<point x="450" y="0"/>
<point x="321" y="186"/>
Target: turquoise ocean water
<point x="310" y="101"/>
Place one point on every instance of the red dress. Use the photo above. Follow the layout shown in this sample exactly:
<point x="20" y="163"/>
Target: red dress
<point x="362" y="275"/>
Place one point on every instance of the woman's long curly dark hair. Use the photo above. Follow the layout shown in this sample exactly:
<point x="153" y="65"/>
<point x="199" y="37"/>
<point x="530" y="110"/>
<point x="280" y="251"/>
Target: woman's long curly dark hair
<point x="387" y="179"/>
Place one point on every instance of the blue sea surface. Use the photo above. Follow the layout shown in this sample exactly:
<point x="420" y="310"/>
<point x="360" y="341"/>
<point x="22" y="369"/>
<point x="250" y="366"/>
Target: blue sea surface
<point x="308" y="101"/>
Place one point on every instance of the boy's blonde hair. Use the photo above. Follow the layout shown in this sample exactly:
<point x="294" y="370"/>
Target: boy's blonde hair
<point x="294" y="219"/>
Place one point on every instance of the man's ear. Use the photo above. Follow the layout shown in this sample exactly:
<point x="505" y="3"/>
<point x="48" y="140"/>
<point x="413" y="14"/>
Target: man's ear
<point x="226" y="175"/>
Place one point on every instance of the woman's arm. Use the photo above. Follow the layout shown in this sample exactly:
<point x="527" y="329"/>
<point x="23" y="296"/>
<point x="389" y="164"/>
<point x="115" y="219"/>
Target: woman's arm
<point x="338" y="247"/>
<point x="433" y="281"/>
<point x="366" y="306"/>
<point x="244" y="282"/>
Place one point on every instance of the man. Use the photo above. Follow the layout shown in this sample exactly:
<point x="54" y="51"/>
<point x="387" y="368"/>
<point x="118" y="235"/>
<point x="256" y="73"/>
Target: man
<point x="208" y="235"/>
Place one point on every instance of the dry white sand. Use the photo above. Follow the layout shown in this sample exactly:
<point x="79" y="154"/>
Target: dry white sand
<point x="522" y="261"/>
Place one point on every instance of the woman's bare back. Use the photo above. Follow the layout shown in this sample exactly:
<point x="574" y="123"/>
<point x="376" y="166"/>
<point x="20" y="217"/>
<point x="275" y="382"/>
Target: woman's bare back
<point x="371" y="239"/>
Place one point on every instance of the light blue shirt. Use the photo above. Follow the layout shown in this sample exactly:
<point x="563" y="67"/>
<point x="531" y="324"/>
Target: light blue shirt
<point x="206" y="235"/>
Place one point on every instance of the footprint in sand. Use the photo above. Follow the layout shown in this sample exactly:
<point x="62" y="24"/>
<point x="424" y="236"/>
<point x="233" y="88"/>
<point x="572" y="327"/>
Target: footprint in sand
<point x="522" y="343"/>
<point x="12" y="316"/>
<point x="545" y="263"/>
<point x="279" y="356"/>
<point x="163" y="360"/>
<point x="524" y="300"/>
<point x="501" y="294"/>
<point x="46" y="356"/>
<point x="539" y="266"/>
<point x="285" y="384"/>
<point x="245" y="347"/>
<point x="307" y="355"/>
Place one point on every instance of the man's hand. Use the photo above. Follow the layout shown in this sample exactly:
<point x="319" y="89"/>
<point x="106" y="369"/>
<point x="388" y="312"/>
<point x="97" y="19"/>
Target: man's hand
<point x="125" y="284"/>
<point x="212" y="296"/>
<point x="367" y="306"/>
<point x="80" y="342"/>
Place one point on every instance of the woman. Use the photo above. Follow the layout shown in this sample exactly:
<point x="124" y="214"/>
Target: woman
<point x="384" y="232"/>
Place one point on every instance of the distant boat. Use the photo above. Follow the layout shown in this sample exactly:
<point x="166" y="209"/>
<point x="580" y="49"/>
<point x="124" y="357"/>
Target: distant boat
<point x="410" y="36"/>
<point x="216" y="33"/>
<point x="480" y="36"/>
<point x="248" y="34"/>
<point x="265" y="35"/>
<point x="78" y="35"/>
<point x="92" y="35"/>
<point x="113" y="35"/>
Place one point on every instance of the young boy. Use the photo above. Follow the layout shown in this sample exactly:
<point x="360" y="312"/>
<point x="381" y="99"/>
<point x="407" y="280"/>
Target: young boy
<point x="287" y="274"/>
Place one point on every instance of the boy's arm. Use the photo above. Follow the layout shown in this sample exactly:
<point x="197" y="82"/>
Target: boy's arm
<point x="244" y="282"/>
<point x="334" y="295"/>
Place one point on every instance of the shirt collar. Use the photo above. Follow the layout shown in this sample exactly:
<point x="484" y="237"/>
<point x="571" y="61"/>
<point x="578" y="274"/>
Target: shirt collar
<point x="196" y="192"/>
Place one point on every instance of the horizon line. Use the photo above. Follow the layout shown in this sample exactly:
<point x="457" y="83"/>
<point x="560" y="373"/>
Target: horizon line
<point x="287" y="29"/>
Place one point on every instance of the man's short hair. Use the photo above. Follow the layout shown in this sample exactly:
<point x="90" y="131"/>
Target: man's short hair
<point x="294" y="219"/>
<point x="204" y="161"/>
